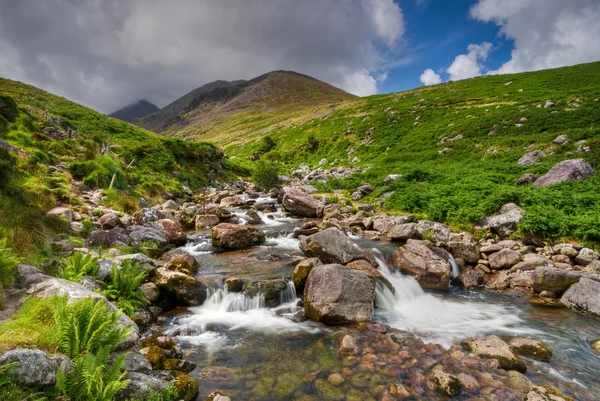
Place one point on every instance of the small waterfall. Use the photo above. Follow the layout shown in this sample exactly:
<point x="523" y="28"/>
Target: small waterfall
<point x="455" y="268"/>
<point x="289" y="294"/>
<point x="222" y="300"/>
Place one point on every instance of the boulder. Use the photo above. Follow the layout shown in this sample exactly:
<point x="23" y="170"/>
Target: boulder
<point x="142" y="385"/>
<point x="446" y="383"/>
<point x="503" y="224"/>
<point x="151" y="232"/>
<point x="391" y="178"/>
<point x="530" y="158"/>
<point x="568" y="170"/>
<point x="433" y="231"/>
<point x="217" y="396"/>
<point x="206" y="221"/>
<point x="543" y="393"/>
<point x="150" y="291"/>
<point x="170" y="205"/>
<point x="179" y="288"/>
<point x="143" y="261"/>
<point x="374" y="274"/>
<point x="467" y="251"/>
<point x="530" y="348"/>
<point x="586" y="256"/>
<point x="560" y="140"/>
<point x="335" y="294"/>
<point x="108" y="238"/>
<point x="583" y="297"/>
<point x="34" y="367"/>
<point x="147" y="215"/>
<point x="504" y="259"/>
<point x="402" y="232"/>
<point x="301" y="272"/>
<point x="175" y="234"/>
<point x="531" y="261"/>
<point x="428" y="268"/>
<point x="361" y="192"/>
<point x="109" y="220"/>
<point x="181" y="261"/>
<point x="470" y="278"/>
<point x="383" y="223"/>
<point x="299" y="203"/>
<point x="231" y="236"/>
<point x="526" y="179"/>
<point x="269" y="289"/>
<point x="331" y="246"/>
<point x="60" y="213"/>
<point x="493" y="347"/>
<point x="496" y="281"/>
<point x="546" y="278"/>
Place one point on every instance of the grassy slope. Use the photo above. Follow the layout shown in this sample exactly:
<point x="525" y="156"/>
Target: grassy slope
<point x="479" y="173"/>
<point x="241" y="110"/>
<point x="159" y="164"/>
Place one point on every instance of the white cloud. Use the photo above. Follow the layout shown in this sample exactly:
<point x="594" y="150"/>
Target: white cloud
<point x="469" y="65"/>
<point x="106" y="53"/>
<point x="546" y="33"/>
<point x="429" y="77"/>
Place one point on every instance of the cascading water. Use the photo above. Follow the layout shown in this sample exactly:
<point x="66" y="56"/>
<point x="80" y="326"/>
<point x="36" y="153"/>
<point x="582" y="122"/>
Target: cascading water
<point x="455" y="268"/>
<point x="436" y="320"/>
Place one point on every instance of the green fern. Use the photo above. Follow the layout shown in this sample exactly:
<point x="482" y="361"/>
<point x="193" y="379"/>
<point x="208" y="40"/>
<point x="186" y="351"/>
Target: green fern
<point x="92" y="377"/>
<point x="5" y="377"/>
<point x="8" y="262"/>
<point x="87" y="326"/>
<point x="124" y="290"/>
<point x="76" y="266"/>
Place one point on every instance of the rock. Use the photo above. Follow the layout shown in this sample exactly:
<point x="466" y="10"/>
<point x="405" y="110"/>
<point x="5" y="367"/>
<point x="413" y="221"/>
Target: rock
<point x="147" y="215"/>
<point x="34" y="367"/>
<point x="493" y="347"/>
<point x="542" y="393"/>
<point x="151" y="232"/>
<point x="231" y="236"/>
<point x="374" y="274"/>
<point x="141" y="385"/>
<point x="383" y="223"/>
<point x="170" y="205"/>
<point x="331" y="246"/>
<point x="348" y="345"/>
<point x="179" y="288"/>
<point x="530" y="158"/>
<point x="506" y="244"/>
<point x="583" y="297"/>
<point x="323" y="162"/>
<point x="361" y="192"/>
<point x="391" y="178"/>
<point x="299" y="203"/>
<point x="596" y="346"/>
<point x="269" y="289"/>
<point x="429" y="269"/>
<point x="546" y="278"/>
<point x="470" y="278"/>
<point x="108" y="238"/>
<point x="530" y="348"/>
<point x="568" y="170"/>
<point x="234" y="284"/>
<point x="143" y="261"/>
<point x="446" y="384"/>
<point x="433" y="231"/>
<point x="109" y="220"/>
<point x="549" y="103"/>
<point x="175" y="234"/>
<point x="336" y="379"/>
<point x="335" y="294"/>
<point x="105" y="268"/>
<point x="560" y="140"/>
<point x="586" y="256"/>
<point x="467" y="251"/>
<point x="134" y="362"/>
<point x="155" y="355"/>
<point x="217" y="396"/>
<point x="301" y="272"/>
<point x="150" y="291"/>
<point x="63" y="213"/>
<point x="505" y="223"/>
<point x="504" y="259"/>
<point x="181" y="261"/>
<point x="402" y="232"/>
<point x="531" y="261"/>
<point x="206" y="221"/>
<point x="521" y="279"/>
<point x="497" y="281"/>
<point x="468" y="382"/>
<point x="526" y="179"/>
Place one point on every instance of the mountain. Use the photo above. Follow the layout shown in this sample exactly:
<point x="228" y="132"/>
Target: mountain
<point x="223" y="111"/>
<point x="139" y="109"/>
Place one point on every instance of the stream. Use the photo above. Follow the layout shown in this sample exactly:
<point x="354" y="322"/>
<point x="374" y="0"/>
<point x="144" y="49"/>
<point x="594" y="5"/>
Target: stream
<point x="253" y="352"/>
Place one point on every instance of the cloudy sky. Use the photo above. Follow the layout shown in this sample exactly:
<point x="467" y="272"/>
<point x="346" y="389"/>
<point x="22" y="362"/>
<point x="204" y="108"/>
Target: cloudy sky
<point x="107" y="53"/>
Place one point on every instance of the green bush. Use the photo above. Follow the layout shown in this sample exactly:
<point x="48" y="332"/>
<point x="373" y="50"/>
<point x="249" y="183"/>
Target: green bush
<point x="76" y="266"/>
<point x="8" y="265"/>
<point x="312" y="144"/>
<point x="123" y="289"/>
<point x="267" y="144"/>
<point x="98" y="172"/>
<point x="7" y="167"/>
<point x="266" y="175"/>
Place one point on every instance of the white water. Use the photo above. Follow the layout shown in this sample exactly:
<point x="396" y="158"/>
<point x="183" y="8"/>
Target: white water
<point x="455" y="268"/>
<point x="283" y="242"/>
<point x="440" y="321"/>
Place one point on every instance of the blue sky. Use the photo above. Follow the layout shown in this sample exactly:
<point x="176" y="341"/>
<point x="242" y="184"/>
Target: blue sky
<point x="436" y="31"/>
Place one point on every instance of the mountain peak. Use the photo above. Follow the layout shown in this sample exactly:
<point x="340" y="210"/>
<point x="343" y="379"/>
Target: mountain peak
<point x="140" y="108"/>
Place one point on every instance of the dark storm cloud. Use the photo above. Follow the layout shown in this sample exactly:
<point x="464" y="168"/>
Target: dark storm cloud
<point x="106" y="53"/>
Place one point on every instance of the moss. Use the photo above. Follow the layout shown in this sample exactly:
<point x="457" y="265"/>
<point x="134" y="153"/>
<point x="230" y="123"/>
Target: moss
<point x="163" y="342"/>
<point x="170" y="363"/>
<point x="596" y="346"/>
<point x="540" y="352"/>
<point x="263" y="387"/>
<point x="286" y="384"/>
<point x="31" y="326"/>
<point x="186" y="387"/>
<point x="328" y="391"/>
<point x="156" y="356"/>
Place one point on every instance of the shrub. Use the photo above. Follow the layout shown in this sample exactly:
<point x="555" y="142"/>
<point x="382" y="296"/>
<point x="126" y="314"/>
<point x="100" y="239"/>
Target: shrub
<point x="267" y="144"/>
<point x="78" y="265"/>
<point x="8" y="266"/>
<point x="88" y="225"/>
<point x="266" y="175"/>
<point x="99" y="172"/>
<point x="124" y="290"/>
<point x="7" y="167"/>
<point x="312" y="144"/>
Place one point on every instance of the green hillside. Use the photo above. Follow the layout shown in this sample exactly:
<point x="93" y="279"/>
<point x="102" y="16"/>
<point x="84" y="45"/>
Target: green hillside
<point x="39" y="177"/>
<point x="402" y="133"/>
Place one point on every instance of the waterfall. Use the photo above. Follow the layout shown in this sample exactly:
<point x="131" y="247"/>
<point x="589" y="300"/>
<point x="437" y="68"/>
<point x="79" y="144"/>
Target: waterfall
<point x="455" y="268"/>
<point x="289" y="294"/>
<point x="222" y="300"/>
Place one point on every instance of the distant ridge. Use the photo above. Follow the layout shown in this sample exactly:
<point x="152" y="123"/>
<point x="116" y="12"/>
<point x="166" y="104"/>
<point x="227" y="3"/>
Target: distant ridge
<point x="136" y="110"/>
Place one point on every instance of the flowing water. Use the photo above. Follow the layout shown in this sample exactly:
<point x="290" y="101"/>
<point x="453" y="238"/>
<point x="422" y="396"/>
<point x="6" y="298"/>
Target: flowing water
<point x="254" y="352"/>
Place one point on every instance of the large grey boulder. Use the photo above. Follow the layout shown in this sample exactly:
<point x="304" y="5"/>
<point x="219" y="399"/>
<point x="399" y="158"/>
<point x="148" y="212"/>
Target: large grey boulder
<point x="151" y="232"/>
<point x="530" y="158"/>
<point x="402" y="232"/>
<point x="433" y="231"/>
<point x="568" y="170"/>
<point x="505" y="223"/>
<point x="493" y="347"/>
<point x="547" y="278"/>
<point x="361" y="192"/>
<point x="232" y="236"/>
<point x="301" y="272"/>
<point x="179" y="289"/>
<point x="465" y="250"/>
<point x="141" y="385"/>
<point x="583" y="297"/>
<point x="147" y="215"/>
<point x="504" y="259"/>
<point x="586" y="256"/>
<point x="61" y="213"/>
<point x="34" y="367"/>
<point x="331" y="246"/>
<point x="299" y="203"/>
<point x="108" y="238"/>
<point x="428" y="268"/>
<point x="335" y="294"/>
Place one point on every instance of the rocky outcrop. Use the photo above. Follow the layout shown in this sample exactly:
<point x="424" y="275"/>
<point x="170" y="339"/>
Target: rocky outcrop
<point x="34" y="367"/>
<point x="335" y="294"/>
<point x="546" y="278"/>
<point x="428" y="268"/>
<point x="179" y="288"/>
<point x="583" y="297"/>
<point x="505" y="223"/>
<point x="231" y="236"/>
<point x="493" y="347"/>
<point x="568" y="170"/>
<point x="530" y="158"/>
<point x="331" y="246"/>
<point x="299" y="203"/>
<point x="181" y="261"/>
<point x="151" y="232"/>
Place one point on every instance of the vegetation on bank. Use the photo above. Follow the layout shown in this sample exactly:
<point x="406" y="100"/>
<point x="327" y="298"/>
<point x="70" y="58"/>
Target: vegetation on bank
<point x="456" y="146"/>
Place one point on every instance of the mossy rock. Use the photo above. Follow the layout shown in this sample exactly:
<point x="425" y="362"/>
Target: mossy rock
<point x="186" y="387"/>
<point x="163" y="342"/>
<point x="357" y="395"/>
<point x="531" y="349"/>
<point x="446" y="383"/>
<point x="596" y="346"/>
<point x="328" y="391"/>
<point x="545" y="393"/>
<point x="263" y="387"/>
<point x="155" y="355"/>
<point x="286" y="384"/>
